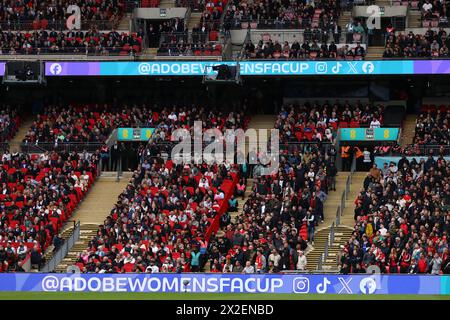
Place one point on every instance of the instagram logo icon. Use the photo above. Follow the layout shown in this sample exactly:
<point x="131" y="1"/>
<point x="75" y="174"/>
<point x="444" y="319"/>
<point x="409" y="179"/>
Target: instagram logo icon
<point x="300" y="285"/>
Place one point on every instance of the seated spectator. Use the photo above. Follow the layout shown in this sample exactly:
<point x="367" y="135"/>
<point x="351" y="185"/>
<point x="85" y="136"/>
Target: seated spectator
<point x="401" y="220"/>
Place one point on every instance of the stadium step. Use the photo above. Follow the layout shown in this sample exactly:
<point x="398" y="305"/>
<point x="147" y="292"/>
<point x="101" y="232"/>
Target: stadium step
<point x="194" y="20"/>
<point x="409" y="127"/>
<point x="342" y="233"/>
<point x="164" y="4"/>
<point x="20" y="134"/>
<point x="92" y="212"/>
<point x="125" y="23"/>
<point x="414" y="19"/>
<point x="344" y="18"/>
<point x="374" y="52"/>
<point x="347" y="218"/>
<point x="383" y="3"/>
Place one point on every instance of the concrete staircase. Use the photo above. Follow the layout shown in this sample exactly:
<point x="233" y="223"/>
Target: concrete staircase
<point x="194" y="20"/>
<point x="414" y="19"/>
<point x="408" y="130"/>
<point x="374" y="53"/>
<point x="344" y="18"/>
<point x="20" y="134"/>
<point x="92" y="212"/>
<point x="341" y="235"/>
<point x="125" y="23"/>
<point x="241" y="202"/>
<point x="323" y="230"/>
<point x="258" y="122"/>
<point x="164" y="4"/>
<point x="347" y="218"/>
<point x="342" y="232"/>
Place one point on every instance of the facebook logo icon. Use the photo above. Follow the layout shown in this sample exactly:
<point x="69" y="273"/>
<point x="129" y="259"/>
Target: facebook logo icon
<point x="368" y="285"/>
<point x="55" y="68"/>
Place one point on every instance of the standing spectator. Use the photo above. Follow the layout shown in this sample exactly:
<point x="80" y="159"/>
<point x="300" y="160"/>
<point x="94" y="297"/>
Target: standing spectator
<point x="195" y="260"/>
<point x="436" y="264"/>
<point x="302" y="262"/>
<point x="367" y="161"/>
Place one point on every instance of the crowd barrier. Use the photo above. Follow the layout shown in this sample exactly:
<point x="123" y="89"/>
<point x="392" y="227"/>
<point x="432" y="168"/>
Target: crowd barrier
<point x="353" y="284"/>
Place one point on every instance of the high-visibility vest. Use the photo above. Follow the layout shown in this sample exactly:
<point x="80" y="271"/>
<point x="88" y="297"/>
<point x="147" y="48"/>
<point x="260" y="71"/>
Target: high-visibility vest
<point x="359" y="153"/>
<point x="345" y="153"/>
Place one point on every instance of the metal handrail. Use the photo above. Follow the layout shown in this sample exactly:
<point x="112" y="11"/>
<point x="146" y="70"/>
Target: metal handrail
<point x="338" y="215"/>
<point x="63" y="250"/>
<point x="331" y="236"/>
<point x="320" y="262"/>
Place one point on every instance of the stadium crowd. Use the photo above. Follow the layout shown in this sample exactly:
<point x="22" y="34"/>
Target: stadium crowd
<point x="434" y="13"/>
<point x="431" y="44"/>
<point x="308" y="50"/>
<point x="402" y="220"/>
<point x="433" y="128"/>
<point x="173" y="38"/>
<point x="9" y="122"/>
<point x="278" y="220"/>
<point x="73" y="42"/>
<point x="23" y="15"/>
<point x="38" y="194"/>
<point x="282" y="15"/>
<point x="313" y="122"/>
<point x="162" y="221"/>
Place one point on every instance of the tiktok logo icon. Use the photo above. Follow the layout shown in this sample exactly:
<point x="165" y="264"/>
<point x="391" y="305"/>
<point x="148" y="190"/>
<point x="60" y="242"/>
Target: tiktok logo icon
<point x="322" y="287"/>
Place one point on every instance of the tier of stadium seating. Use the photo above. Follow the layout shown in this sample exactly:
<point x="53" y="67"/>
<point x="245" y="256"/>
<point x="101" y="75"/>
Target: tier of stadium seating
<point x="28" y="15"/>
<point x="94" y="123"/>
<point x="82" y="123"/>
<point x="282" y="15"/>
<point x="167" y="211"/>
<point x="160" y="218"/>
<point x="175" y="40"/>
<point x="278" y="220"/>
<point x="402" y="219"/>
<point x="319" y="123"/>
<point x="307" y="50"/>
<point x="70" y="42"/>
<point x="431" y="44"/>
<point x="38" y="194"/>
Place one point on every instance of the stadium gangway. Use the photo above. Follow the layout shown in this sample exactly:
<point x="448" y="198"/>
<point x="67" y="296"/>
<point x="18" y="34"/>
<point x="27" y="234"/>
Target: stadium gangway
<point x="62" y="252"/>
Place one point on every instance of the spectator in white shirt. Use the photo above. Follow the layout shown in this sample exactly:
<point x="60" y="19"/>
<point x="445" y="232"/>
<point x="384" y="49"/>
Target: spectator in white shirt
<point x="301" y="263"/>
<point x="248" y="268"/>
<point x="375" y="123"/>
<point x="427" y="6"/>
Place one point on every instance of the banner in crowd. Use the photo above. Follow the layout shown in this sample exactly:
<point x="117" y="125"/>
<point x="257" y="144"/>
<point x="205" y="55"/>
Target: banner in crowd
<point x="2" y="68"/>
<point x="247" y="68"/>
<point x="227" y="283"/>
<point x="368" y="134"/>
<point x="380" y="160"/>
<point x="134" y="134"/>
